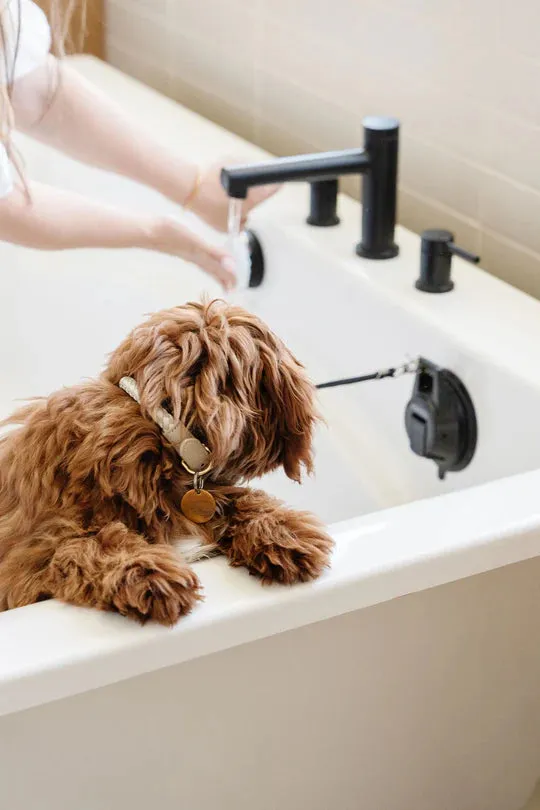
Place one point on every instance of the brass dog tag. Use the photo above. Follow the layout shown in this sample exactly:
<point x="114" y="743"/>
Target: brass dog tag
<point x="198" y="506"/>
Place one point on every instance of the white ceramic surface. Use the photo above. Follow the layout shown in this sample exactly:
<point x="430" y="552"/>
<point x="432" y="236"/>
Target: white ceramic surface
<point x="399" y="531"/>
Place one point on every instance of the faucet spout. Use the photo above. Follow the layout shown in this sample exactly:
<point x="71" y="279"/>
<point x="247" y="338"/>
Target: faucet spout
<point x="377" y="162"/>
<point x="318" y="166"/>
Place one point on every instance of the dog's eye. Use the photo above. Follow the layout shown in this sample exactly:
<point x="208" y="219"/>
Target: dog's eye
<point x="167" y="404"/>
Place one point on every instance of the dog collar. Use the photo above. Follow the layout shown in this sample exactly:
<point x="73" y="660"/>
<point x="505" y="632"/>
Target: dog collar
<point x="194" y="455"/>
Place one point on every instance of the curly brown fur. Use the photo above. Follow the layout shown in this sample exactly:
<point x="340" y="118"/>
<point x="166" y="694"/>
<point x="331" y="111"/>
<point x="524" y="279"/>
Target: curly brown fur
<point x="274" y="542"/>
<point x="90" y="489"/>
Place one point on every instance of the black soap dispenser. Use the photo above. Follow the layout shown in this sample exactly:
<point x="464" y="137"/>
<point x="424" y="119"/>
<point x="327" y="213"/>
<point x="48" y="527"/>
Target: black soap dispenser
<point x="437" y="250"/>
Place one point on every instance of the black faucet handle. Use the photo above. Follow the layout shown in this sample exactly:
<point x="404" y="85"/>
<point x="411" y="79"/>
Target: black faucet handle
<point x="437" y="249"/>
<point x="473" y="258"/>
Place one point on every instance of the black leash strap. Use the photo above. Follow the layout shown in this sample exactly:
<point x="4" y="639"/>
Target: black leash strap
<point x="410" y="367"/>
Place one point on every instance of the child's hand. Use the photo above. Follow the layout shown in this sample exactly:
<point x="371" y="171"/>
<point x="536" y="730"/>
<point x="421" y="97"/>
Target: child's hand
<point x="210" y="202"/>
<point x="171" y="237"/>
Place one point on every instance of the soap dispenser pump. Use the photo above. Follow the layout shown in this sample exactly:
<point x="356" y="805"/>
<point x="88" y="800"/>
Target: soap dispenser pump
<point x="440" y="419"/>
<point x="437" y="249"/>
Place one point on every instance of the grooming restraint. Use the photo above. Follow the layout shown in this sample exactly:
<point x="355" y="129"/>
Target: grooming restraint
<point x="197" y="504"/>
<point x="411" y="367"/>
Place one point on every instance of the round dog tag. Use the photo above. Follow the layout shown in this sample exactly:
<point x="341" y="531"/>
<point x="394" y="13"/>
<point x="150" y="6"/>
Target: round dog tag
<point x="200" y="507"/>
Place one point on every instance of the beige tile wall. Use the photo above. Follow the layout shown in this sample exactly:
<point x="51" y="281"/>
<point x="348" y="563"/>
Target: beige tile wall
<point x="463" y="76"/>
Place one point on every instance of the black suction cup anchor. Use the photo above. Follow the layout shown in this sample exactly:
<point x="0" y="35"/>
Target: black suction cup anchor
<point x="440" y="419"/>
<point x="257" y="260"/>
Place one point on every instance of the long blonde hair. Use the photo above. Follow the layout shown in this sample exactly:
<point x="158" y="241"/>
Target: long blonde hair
<point x="67" y="20"/>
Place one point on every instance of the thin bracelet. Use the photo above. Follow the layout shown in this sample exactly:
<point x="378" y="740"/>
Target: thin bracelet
<point x="188" y="202"/>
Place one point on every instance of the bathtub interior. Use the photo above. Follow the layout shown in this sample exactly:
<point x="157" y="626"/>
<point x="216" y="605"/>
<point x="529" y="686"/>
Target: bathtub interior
<point x="62" y="313"/>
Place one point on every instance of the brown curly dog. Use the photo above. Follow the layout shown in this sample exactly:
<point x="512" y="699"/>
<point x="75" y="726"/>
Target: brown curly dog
<point x="92" y="487"/>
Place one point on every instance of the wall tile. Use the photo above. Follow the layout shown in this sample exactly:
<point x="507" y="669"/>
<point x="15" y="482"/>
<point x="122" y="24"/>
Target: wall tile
<point x="418" y="213"/>
<point x="225" y="75"/>
<point x="226" y="24"/>
<point x="279" y="142"/>
<point x="334" y="19"/>
<point x="511" y="210"/>
<point x="507" y="259"/>
<point x="470" y="20"/>
<point x="519" y="26"/>
<point x="512" y="148"/>
<point x="289" y="53"/>
<point x="140" y="34"/>
<point x="507" y="82"/>
<point x="440" y="176"/>
<point x="132" y="64"/>
<point x="215" y="108"/>
<point x="154" y="8"/>
<point x="305" y="115"/>
<point x="447" y="119"/>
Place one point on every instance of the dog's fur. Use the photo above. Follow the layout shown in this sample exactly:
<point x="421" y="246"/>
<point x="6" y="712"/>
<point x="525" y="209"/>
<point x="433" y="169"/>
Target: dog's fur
<point x="90" y="489"/>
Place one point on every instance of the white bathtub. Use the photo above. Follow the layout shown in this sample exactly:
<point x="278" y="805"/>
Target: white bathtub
<point x="408" y="677"/>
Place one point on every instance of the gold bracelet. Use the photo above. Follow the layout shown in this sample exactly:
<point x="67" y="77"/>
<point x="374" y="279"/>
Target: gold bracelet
<point x="188" y="202"/>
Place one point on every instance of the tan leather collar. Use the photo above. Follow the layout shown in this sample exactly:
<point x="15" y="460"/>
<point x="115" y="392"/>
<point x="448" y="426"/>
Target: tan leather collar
<point x="195" y="456"/>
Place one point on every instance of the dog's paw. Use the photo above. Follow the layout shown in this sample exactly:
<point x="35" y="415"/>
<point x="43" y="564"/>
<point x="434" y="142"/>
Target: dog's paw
<point x="156" y="588"/>
<point x="300" y="550"/>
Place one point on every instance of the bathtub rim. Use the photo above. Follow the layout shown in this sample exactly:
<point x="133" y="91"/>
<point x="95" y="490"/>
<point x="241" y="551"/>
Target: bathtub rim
<point x="52" y="651"/>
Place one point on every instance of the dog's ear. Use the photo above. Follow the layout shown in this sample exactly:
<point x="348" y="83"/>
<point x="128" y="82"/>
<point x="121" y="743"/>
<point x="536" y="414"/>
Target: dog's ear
<point x="161" y="354"/>
<point x="288" y="397"/>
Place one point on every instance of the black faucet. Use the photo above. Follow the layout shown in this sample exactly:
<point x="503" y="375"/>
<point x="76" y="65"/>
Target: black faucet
<point x="377" y="161"/>
<point x="437" y="249"/>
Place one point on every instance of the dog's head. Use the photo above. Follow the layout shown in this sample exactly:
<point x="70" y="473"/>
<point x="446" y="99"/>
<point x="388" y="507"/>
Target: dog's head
<point x="230" y="380"/>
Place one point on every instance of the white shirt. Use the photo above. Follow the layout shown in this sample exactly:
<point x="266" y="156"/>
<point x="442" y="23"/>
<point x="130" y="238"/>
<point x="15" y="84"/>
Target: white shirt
<point x="27" y="42"/>
<point x="34" y="38"/>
